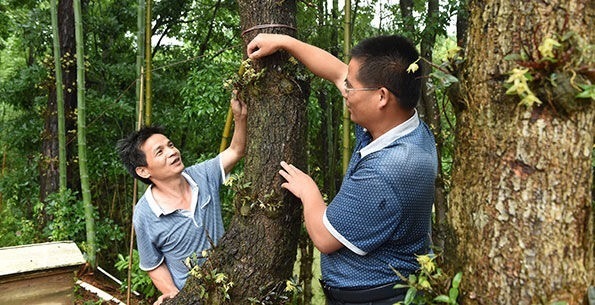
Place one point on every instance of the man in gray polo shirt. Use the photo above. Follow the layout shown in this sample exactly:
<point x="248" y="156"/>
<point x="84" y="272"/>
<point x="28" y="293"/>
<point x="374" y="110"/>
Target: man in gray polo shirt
<point x="180" y="213"/>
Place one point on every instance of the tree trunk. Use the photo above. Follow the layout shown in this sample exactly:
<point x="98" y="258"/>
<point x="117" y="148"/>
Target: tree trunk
<point x="520" y="205"/>
<point x="428" y="111"/>
<point x="462" y="23"/>
<point x="258" y="250"/>
<point x="49" y="176"/>
<point x="59" y="96"/>
<point x="406" y="7"/>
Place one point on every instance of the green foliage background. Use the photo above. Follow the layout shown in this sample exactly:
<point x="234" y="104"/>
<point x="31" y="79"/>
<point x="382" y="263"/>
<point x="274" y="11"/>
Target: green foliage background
<point x="189" y="100"/>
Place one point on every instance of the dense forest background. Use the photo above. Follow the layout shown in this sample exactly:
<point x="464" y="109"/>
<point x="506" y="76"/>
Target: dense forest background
<point x="196" y="48"/>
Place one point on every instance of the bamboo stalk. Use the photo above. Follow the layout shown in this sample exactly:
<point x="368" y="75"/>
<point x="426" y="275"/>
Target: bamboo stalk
<point x="229" y="119"/>
<point x="59" y="96"/>
<point x="134" y="191"/>
<point x="140" y="53"/>
<point x="346" y="121"/>
<point x="148" y="65"/>
<point x="5" y="148"/>
<point x="2" y="173"/>
<point x="226" y="130"/>
<point x="82" y="135"/>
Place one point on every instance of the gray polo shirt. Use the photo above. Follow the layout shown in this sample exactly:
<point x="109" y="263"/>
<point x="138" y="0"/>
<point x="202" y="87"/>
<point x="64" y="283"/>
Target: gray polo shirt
<point x="174" y="236"/>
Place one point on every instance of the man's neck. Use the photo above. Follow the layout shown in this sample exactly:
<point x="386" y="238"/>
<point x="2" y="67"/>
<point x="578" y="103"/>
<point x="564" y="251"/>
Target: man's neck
<point x="172" y="194"/>
<point x="389" y="122"/>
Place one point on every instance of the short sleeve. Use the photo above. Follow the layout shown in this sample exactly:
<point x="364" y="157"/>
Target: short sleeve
<point x="211" y="169"/>
<point x="150" y="256"/>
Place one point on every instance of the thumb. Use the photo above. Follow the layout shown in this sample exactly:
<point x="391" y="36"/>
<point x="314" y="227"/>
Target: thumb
<point x="254" y="53"/>
<point x="251" y="49"/>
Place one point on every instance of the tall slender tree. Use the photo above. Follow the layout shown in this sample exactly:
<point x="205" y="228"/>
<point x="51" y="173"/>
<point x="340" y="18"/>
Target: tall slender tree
<point x="429" y="112"/>
<point x="59" y="171"/>
<point x="82" y="135"/>
<point x="324" y="146"/>
<point x="148" y="65"/>
<point x="59" y="96"/>
<point x="347" y="30"/>
<point x="521" y="201"/>
<point x="50" y="176"/>
<point x="140" y="51"/>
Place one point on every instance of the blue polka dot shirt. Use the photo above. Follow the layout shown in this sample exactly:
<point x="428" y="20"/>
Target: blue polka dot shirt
<point x="382" y="213"/>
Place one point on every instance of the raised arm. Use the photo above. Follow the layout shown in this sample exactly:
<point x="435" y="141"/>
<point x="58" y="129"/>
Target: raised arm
<point x="317" y="60"/>
<point x="237" y="148"/>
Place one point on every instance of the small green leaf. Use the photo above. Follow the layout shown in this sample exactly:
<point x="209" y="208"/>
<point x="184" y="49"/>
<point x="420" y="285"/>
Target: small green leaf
<point x="456" y="281"/>
<point x="588" y="92"/>
<point x="445" y="78"/>
<point x="410" y="295"/>
<point x="514" y="57"/>
<point x="453" y="294"/>
<point x="442" y="298"/>
<point x="567" y="35"/>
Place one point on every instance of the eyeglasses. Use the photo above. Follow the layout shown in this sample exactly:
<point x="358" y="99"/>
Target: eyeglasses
<point x="349" y="89"/>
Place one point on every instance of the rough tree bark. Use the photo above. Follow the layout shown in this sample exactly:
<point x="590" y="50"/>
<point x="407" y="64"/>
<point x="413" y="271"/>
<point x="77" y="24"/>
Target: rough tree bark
<point x="258" y="250"/>
<point x="520" y="205"/>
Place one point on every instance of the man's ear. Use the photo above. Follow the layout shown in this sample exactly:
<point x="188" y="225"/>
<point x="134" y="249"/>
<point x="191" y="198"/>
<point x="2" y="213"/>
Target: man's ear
<point x="143" y="172"/>
<point x="383" y="97"/>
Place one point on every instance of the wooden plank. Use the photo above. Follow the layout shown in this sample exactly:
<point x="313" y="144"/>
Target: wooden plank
<point x="28" y="258"/>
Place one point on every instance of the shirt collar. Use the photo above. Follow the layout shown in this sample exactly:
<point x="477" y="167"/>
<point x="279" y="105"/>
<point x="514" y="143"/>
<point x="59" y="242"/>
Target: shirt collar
<point x="156" y="208"/>
<point x="391" y="135"/>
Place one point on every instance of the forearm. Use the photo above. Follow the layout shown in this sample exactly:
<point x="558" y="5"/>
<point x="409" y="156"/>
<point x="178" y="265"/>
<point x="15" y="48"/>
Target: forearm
<point x="163" y="280"/>
<point x="317" y="60"/>
<point x="304" y="188"/>
<point x="237" y="147"/>
<point x="314" y="208"/>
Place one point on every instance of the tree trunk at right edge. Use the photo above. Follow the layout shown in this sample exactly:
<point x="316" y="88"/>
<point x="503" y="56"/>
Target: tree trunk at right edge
<point x="521" y="202"/>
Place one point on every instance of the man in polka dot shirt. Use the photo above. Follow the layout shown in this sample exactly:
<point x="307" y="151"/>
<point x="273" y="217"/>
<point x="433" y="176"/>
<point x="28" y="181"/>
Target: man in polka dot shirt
<point x="381" y="217"/>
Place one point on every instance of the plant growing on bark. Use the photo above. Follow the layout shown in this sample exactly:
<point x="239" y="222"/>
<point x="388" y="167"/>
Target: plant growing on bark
<point x="431" y="285"/>
<point x="209" y="278"/>
<point x="246" y="76"/>
<point x="554" y="74"/>
<point x="248" y="200"/>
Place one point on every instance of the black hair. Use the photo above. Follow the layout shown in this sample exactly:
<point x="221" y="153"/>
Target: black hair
<point x="130" y="151"/>
<point x="384" y="61"/>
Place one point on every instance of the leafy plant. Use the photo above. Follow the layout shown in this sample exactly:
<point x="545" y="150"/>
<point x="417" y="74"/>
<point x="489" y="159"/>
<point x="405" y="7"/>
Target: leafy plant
<point x="66" y="212"/>
<point x="431" y="285"/>
<point x="140" y="280"/>
<point x="554" y="75"/>
<point x="210" y="278"/>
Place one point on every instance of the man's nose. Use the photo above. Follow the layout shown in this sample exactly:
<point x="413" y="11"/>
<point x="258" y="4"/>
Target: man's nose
<point x="171" y="151"/>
